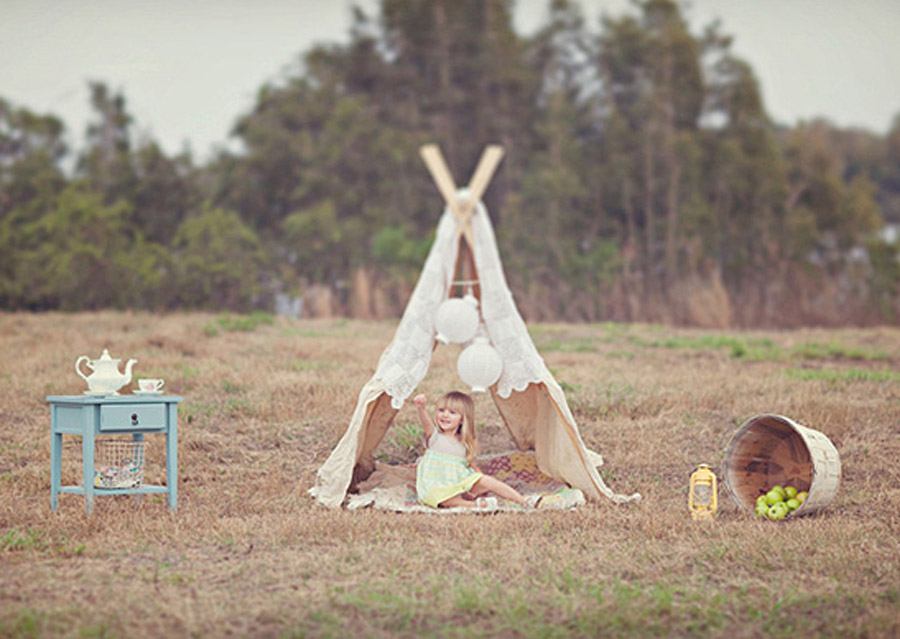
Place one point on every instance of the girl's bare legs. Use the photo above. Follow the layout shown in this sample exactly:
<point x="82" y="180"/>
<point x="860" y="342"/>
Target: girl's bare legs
<point x="458" y="502"/>
<point x="494" y="485"/>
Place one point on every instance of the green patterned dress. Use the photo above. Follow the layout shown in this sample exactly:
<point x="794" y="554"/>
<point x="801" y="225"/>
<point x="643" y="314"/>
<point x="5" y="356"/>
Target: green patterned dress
<point x="444" y="472"/>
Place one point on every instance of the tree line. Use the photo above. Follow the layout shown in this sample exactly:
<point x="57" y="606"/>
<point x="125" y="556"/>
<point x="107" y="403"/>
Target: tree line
<point x="643" y="181"/>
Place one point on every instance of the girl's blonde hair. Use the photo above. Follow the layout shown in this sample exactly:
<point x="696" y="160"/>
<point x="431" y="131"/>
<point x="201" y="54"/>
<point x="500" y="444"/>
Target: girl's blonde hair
<point x="463" y="404"/>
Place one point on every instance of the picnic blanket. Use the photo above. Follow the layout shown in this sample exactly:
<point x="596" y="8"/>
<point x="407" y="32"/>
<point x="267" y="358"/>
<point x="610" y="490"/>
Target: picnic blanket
<point x="394" y="487"/>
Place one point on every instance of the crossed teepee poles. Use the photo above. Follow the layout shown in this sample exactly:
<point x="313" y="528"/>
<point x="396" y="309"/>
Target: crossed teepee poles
<point x="462" y="205"/>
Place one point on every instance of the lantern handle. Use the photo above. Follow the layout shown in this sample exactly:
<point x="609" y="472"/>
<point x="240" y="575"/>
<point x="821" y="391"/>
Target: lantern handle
<point x="698" y="466"/>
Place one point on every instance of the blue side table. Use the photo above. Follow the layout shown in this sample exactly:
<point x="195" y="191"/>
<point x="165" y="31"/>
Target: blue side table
<point x="89" y="416"/>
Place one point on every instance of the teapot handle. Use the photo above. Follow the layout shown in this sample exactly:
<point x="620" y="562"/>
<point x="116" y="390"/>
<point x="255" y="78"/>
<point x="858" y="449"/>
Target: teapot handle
<point x="78" y="368"/>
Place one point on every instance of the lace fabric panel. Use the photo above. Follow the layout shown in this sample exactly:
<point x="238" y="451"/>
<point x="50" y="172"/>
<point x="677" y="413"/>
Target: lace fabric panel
<point x="522" y="364"/>
<point x="405" y="362"/>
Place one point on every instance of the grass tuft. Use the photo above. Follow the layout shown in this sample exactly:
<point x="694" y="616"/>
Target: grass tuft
<point x="832" y="350"/>
<point x="15" y="540"/>
<point x="27" y="624"/>
<point x="238" y="323"/>
<point x="847" y="375"/>
<point x="750" y="349"/>
<point x="574" y="345"/>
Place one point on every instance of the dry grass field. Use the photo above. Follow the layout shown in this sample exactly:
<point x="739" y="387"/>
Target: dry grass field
<point x="248" y="553"/>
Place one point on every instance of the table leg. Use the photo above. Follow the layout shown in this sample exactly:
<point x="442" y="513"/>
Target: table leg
<point x="139" y="437"/>
<point x="172" y="456"/>
<point x="55" y="461"/>
<point x="87" y="459"/>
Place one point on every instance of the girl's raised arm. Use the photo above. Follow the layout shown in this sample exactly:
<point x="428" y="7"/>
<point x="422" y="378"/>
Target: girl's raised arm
<point x="420" y="401"/>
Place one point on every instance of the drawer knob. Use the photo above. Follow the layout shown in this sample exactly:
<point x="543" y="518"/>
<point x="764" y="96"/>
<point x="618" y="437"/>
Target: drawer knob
<point x="134" y="419"/>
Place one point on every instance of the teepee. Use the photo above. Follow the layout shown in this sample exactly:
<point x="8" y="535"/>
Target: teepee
<point x="528" y="398"/>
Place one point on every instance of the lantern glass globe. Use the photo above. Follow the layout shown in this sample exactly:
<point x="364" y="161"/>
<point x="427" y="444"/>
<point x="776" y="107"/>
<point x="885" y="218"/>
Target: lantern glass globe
<point x="457" y="320"/>
<point x="479" y="365"/>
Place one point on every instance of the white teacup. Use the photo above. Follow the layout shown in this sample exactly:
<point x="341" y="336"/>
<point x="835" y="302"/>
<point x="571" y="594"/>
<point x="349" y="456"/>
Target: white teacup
<point x="151" y="385"/>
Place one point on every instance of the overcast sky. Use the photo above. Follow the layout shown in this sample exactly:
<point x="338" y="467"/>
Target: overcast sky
<point x="188" y="68"/>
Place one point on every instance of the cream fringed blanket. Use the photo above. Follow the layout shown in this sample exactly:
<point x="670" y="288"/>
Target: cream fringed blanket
<point x="394" y="487"/>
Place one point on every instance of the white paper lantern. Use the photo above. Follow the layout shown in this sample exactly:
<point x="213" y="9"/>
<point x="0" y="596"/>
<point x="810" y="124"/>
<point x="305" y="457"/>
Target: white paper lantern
<point x="479" y="365"/>
<point x="457" y="320"/>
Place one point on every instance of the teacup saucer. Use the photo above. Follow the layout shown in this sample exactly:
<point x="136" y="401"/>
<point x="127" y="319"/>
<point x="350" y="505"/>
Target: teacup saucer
<point x="143" y="392"/>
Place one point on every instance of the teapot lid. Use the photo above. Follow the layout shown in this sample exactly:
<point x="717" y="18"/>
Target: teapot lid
<point x="104" y="357"/>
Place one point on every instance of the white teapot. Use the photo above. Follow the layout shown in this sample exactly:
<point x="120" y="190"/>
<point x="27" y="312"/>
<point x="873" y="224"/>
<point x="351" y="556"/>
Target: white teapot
<point x="105" y="376"/>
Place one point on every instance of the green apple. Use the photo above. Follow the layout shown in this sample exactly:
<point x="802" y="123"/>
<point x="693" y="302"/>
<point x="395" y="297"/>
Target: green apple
<point x="801" y="496"/>
<point x="790" y="492"/>
<point x="778" y="488"/>
<point x="792" y="504"/>
<point x="773" y="497"/>
<point x="761" y="500"/>
<point x="777" y="511"/>
<point x="761" y="509"/>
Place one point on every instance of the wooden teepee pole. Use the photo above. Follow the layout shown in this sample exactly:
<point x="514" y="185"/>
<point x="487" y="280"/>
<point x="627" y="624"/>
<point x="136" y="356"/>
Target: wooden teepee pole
<point x="463" y="208"/>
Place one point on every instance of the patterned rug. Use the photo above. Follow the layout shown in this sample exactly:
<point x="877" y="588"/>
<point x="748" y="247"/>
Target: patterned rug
<point x="394" y="487"/>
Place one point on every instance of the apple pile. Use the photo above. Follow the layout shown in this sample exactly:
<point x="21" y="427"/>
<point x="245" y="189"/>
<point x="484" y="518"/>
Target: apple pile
<point x="779" y="502"/>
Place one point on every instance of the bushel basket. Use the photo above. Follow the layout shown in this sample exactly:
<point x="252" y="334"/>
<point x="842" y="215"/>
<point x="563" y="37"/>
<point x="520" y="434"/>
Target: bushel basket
<point x="773" y="449"/>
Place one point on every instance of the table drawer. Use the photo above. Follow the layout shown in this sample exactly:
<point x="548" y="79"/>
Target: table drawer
<point x="132" y="417"/>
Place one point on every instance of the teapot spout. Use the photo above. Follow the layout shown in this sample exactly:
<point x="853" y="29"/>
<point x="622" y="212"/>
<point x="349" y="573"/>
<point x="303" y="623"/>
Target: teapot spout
<point x="128" y="365"/>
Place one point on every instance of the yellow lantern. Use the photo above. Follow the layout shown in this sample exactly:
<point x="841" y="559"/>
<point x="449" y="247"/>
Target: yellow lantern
<point x="703" y="495"/>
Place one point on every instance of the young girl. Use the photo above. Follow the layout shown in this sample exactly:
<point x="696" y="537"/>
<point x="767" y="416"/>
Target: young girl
<point x="447" y="471"/>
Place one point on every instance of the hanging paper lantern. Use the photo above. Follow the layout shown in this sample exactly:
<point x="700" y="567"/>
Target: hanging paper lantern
<point x="479" y="365"/>
<point x="457" y="320"/>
